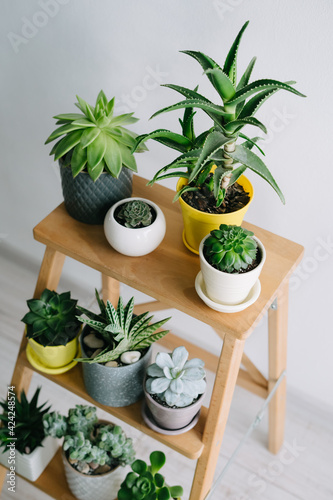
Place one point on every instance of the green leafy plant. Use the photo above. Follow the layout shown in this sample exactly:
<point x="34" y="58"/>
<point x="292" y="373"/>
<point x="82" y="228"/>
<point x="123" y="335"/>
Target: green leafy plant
<point x="230" y="248"/>
<point x="175" y="380"/>
<point x="89" y="443"/>
<point x="52" y="319"/>
<point x="240" y="100"/>
<point x="146" y="483"/>
<point x="136" y="213"/>
<point x="95" y="141"/>
<point x="22" y="420"/>
<point x="120" y="329"/>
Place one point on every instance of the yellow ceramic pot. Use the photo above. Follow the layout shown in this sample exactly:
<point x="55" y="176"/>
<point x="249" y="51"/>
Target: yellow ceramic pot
<point x="55" y="356"/>
<point x="198" y="224"/>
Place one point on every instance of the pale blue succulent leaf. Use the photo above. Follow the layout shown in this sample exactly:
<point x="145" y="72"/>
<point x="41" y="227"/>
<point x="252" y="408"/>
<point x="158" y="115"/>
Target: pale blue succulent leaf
<point x="179" y="357"/>
<point x="194" y="374"/>
<point x="159" y="385"/>
<point x="154" y="371"/>
<point x="177" y="386"/>
<point x="164" y="359"/>
<point x="167" y="373"/>
<point x="194" y="363"/>
<point x="171" y="398"/>
<point x="184" y="400"/>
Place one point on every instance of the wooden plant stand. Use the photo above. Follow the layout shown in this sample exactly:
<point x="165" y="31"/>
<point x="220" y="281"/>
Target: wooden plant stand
<point x="168" y="275"/>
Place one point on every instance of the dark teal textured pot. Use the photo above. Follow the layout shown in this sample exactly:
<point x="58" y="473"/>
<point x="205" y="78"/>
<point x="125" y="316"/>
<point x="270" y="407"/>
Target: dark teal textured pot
<point x="115" y="386"/>
<point x="88" y="201"/>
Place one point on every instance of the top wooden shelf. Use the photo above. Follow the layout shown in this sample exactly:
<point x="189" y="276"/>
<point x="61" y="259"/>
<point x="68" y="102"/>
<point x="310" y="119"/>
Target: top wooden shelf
<point x="168" y="273"/>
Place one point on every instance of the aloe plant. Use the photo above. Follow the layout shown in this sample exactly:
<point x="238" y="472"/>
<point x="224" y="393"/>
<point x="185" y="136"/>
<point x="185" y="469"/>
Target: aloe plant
<point x="95" y="141"/>
<point x="88" y="442"/>
<point x="136" y="213"/>
<point x="52" y="319"/>
<point x="240" y="100"/>
<point x="120" y="329"/>
<point x="175" y="380"/>
<point x="146" y="483"/>
<point x="23" y="421"/>
<point x="230" y="248"/>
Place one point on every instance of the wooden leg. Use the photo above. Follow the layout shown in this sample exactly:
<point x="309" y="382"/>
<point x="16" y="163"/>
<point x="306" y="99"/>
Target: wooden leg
<point x="110" y="289"/>
<point x="277" y="343"/>
<point x="50" y="271"/>
<point x="223" y="390"/>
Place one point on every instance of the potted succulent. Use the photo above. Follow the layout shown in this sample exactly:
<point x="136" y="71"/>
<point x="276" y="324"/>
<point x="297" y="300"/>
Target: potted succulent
<point x="174" y="389"/>
<point x="146" y="483"/>
<point x="116" y="349"/>
<point x="94" y="153"/>
<point x="53" y="328"/>
<point x="134" y="226"/>
<point x="231" y="260"/>
<point x="25" y="447"/>
<point x="93" y="450"/>
<point x="212" y="163"/>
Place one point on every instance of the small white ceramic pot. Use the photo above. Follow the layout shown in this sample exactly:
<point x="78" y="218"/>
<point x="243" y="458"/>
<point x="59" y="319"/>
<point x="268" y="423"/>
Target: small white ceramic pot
<point x="30" y="466"/>
<point x="226" y="288"/>
<point x="134" y="242"/>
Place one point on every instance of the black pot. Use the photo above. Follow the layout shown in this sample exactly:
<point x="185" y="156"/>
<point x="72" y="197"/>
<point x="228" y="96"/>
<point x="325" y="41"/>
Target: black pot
<point x="88" y="201"/>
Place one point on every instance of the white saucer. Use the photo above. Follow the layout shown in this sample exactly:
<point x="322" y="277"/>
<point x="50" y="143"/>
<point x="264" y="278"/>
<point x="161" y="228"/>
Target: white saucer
<point x="226" y="308"/>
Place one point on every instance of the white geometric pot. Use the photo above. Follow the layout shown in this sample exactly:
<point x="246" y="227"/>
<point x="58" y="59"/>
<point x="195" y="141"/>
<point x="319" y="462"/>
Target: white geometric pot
<point x="134" y="242"/>
<point x="90" y="487"/>
<point x="226" y="288"/>
<point x="30" y="466"/>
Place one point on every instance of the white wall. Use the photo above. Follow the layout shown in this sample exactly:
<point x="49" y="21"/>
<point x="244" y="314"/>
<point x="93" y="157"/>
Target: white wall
<point x="79" y="47"/>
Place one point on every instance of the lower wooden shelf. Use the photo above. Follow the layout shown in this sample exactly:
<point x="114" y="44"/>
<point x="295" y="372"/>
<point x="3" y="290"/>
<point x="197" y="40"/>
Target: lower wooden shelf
<point x="188" y="444"/>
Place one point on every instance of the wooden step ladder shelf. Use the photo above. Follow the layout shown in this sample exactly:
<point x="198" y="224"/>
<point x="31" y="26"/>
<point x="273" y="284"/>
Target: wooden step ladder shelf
<point x="167" y="275"/>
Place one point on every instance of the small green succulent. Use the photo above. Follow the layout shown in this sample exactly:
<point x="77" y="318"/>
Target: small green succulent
<point x="136" y="213"/>
<point x="146" y="483"/>
<point x="88" y="441"/>
<point x="239" y="101"/>
<point x="23" y="421"/>
<point x="121" y="330"/>
<point x="230" y="248"/>
<point x="52" y="319"/>
<point x="95" y="141"/>
<point x="175" y="380"/>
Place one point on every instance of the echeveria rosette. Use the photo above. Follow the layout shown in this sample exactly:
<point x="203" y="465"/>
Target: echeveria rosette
<point x="135" y="213"/>
<point x="239" y="102"/>
<point x="96" y="140"/>
<point x="146" y="483"/>
<point x="175" y="380"/>
<point x="230" y="248"/>
<point x="52" y="319"/>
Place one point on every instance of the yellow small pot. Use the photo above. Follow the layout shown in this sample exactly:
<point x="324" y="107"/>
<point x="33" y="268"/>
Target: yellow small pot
<point x="198" y="224"/>
<point x="55" y="356"/>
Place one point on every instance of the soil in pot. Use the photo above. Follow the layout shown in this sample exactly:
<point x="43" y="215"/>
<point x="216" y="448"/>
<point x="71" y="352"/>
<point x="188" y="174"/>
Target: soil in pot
<point x="236" y="198"/>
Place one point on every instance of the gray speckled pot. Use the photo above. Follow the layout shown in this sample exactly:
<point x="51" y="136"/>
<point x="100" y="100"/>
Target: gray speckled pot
<point x="99" y="487"/>
<point x="115" y="386"/>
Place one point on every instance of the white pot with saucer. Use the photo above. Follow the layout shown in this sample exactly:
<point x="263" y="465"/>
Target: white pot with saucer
<point x="228" y="292"/>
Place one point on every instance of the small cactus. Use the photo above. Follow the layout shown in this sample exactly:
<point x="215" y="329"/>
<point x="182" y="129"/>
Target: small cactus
<point x="135" y="214"/>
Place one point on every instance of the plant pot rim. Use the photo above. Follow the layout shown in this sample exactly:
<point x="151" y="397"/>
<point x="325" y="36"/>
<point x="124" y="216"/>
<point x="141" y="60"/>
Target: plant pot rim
<point x="103" y="365"/>
<point x="247" y="273"/>
<point x="53" y="346"/>
<point x="195" y="210"/>
<point x="153" y="205"/>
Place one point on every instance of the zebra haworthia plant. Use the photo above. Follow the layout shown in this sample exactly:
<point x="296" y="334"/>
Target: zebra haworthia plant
<point x="136" y="213"/>
<point x="240" y="100"/>
<point x="120" y="329"/>
<point x="96" y="140"/>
